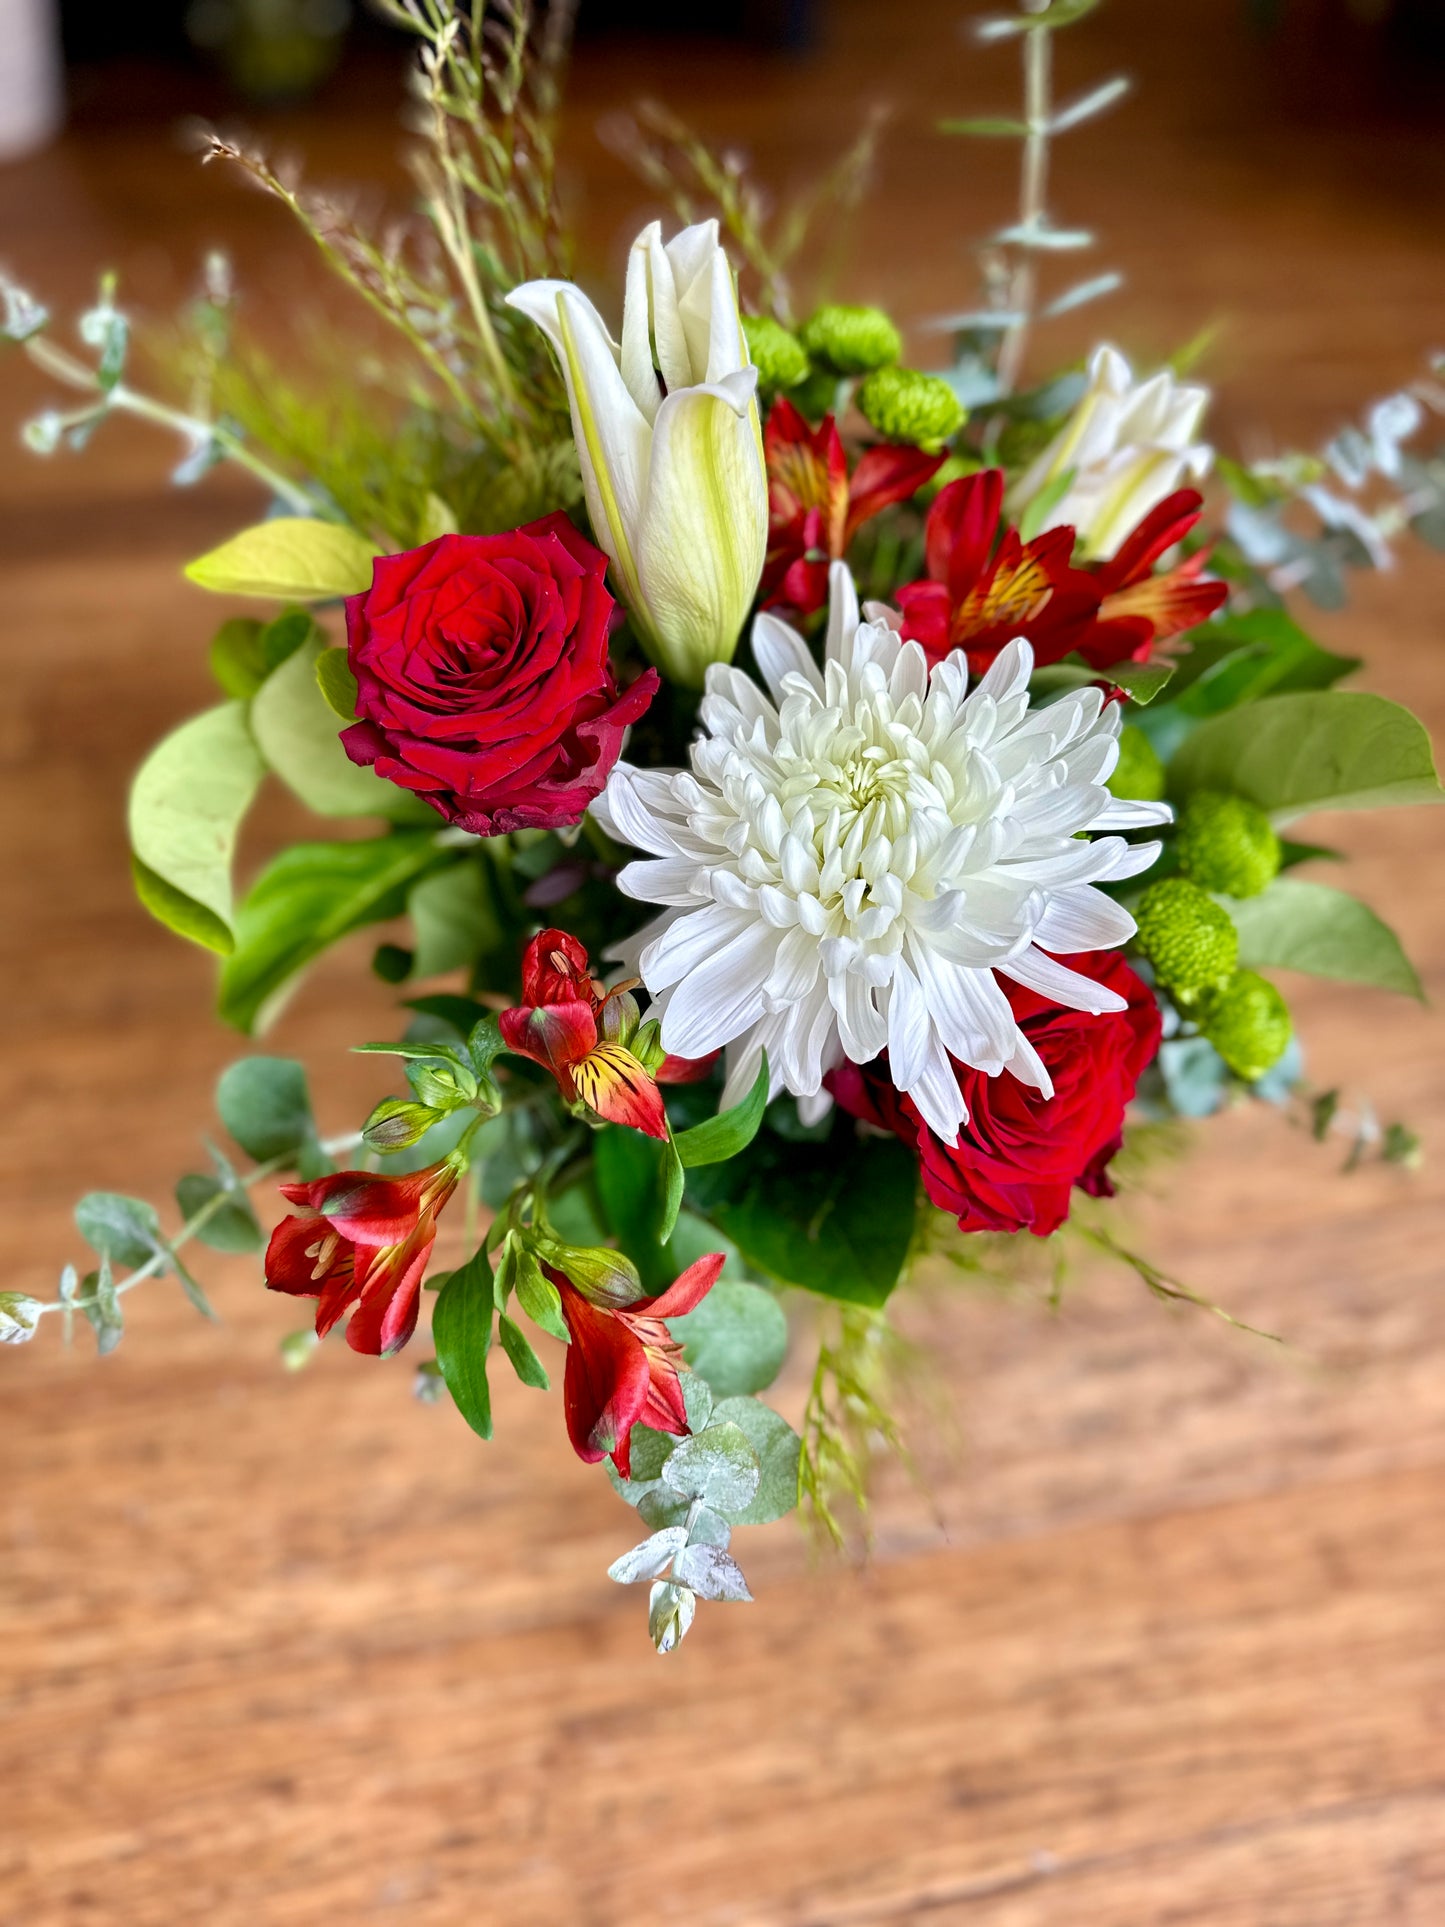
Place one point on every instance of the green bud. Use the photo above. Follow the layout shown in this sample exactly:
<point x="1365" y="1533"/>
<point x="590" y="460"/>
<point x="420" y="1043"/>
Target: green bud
<point x="817" y="396"/>
<point x="602" y="1276"/>
<point x="907" y="406"/>
<point x="1138" y="774"/>
<point x="779" y="357"/>
<point x="444" y="1086"/>
<point x="398" y="1122"/>
<point x="1190" y="941"/>
<point x="19" y="1315"/>
<point x="1226" y="844"/>
<point x="620" y="1018"/>
<point x="1248" y="1024"/>
<point x="852" y="341"/>
<point x="646" y="1045"/>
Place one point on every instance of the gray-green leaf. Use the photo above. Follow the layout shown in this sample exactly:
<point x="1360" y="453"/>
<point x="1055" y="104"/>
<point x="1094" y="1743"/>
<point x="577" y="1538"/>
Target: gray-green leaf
<point x="736" y="1338"/>
<point x="719" y="1467"/>
<point x="1295" y="925"/>
<point x="125" y="1230"/>
<point x="650" y="1559"/>
<point x="777" y="1447"/>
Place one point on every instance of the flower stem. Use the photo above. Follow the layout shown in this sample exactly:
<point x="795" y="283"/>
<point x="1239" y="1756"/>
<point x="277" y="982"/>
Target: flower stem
<point x="1033" y="184"/>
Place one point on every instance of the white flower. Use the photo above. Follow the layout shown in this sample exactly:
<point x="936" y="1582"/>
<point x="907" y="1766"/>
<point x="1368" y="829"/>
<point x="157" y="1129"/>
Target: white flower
<point x="673" y="467"/>
<point x="850" y="866"/>
<point x="1127" y="444"/>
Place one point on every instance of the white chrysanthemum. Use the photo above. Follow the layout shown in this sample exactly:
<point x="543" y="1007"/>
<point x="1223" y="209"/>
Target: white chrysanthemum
<point x="849" y="867"/>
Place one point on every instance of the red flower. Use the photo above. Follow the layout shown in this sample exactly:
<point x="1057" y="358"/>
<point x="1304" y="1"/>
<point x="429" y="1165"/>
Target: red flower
<point x="364" y="1241"/>
<point x="622" y="1364"/>
<point x="1140" y="608"/>
<point x="814" y="511"/>
<point x="985" y="588"/>
<point x="482" y="676"/>
<point x="1021" y="1153"/>
<point x="568" y="1023"/>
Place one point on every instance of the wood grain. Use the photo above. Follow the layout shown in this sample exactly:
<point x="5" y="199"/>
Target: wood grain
<point x="1158" y="1641"/>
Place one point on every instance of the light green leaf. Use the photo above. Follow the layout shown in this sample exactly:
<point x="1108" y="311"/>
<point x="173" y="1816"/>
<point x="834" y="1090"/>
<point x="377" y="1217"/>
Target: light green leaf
<point x="438" y="517"/>
<point x="669" y="1191"/>
<point x="461" y="1329"/>
<point x="296" y="731"/>
<point x="736" y="1337"/>
<point x="186" y="806"/>
<point x="337" y="684"/>
<point x="721" y="1137"/>
<point x="1320" y="749"/>
<point x="309" y="897"/>
<point x="237" y="662"/>
<point x="1295" y="925"/>
<point x="265" y="1105"/>
<point x="777" y="1447"/>
<point x="454" y="919"/>
<point x="538" y="1296"/>
<point x="231" y="1226"/>
<point x="291" y="558"/>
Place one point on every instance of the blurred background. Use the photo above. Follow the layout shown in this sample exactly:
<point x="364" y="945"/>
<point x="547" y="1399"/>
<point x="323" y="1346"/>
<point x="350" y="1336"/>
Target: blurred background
<point x="1153" y="1636"/>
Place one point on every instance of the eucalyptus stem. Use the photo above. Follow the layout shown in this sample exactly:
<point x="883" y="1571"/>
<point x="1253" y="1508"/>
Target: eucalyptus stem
<point x="61" y="366"/>
<point x="1033" y="187"/>
<point x="196" y="1223"/>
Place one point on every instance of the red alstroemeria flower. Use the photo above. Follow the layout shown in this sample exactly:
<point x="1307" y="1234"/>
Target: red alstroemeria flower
<point x="685" y="1070"/>
<point x="622" y="1364"/>
<point x="1140" y="608"/>
<point x="564" y="1023"/>
<point x="364" y="1241"/>
<point x="986" y="585"/>
<point x="814" y="509"/>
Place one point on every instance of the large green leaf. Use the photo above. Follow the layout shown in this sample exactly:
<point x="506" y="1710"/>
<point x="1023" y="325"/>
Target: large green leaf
<point x="309" y="897"/>
<point x="461" y="1329"/>
<point x="291" y="558"/>
<point x="1294" y="925"/>
<point x="1329" y="749"/>
<point x="299" y="735"/>
<point x="186" y="807"/>
<point x="731" y="1131"/>
<point x="1240" y="659"/>
<point x="265" y="1105"/>
<point x="835" y="1218"/>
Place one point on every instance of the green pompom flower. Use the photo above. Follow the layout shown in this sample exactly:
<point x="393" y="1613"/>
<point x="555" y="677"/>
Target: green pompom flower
<point x="1226" y="844"/>
<point x="1190" y="941"/>
<point x="779" y="357"/>
<point x="907" y="406"/>
<point x="1138" y="775"/>
<point x="1248" y="1024"/>
<point x="852" y="341"/>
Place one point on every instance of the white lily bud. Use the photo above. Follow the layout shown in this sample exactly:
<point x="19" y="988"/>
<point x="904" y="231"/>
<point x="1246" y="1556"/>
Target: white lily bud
<point x="669" y="443"/>
<point x="1126" y="446"/>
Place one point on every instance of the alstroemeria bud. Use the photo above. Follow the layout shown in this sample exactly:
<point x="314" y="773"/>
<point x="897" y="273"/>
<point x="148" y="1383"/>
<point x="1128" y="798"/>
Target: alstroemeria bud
<point x="19" y="1316"/>
<point x="618" y="1019"/>
<point x="443" y="1086"/>
<point x="397" y="1123"/>
<point x="647" y="1045"/>
<point x="603" y="1277"/>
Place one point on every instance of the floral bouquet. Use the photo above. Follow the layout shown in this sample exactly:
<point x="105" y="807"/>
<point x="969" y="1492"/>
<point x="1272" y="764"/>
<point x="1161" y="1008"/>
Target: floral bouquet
<point x="824" y="813"/>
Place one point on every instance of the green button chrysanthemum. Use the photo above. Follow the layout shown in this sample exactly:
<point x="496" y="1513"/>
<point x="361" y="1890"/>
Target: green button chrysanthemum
<point x="907" y="406"/>
<point x="1248" y="1024"/>
<point x="1190" y="941"/>
<point x="1138" y="775"/>
<point x="779" y="357"/>
<point x="852" y="341"/>
<point x="1227" y="844"/>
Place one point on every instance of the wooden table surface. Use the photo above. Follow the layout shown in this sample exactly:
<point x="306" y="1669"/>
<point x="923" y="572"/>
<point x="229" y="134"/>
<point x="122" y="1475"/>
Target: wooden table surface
<point x="1161" y="1639"/>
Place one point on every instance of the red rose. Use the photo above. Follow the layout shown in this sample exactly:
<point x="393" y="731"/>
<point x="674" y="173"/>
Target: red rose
<point x="1020" y="1153"/>
<point x="482" y="676"/>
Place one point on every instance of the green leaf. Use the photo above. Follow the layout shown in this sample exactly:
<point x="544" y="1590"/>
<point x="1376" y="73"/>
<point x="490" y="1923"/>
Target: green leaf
<point x="777" y="1447"/>
<point x="311" y="896"/>
<point x="525" y="1362"/>
<point x="125" y="1230"/>
<point x="735" y="1339"/>
<point x="186" y="807"/>
<point x="337" y="684"/>
<point x="1295" y="925"/>
<point x="718" y="1466"/>
<point x="731" y="1131"/>
<point x="232" y="1226"/>
<point x="291" y="558"/>
<point x="461" y="1329"/>
<point x="539" y="1297"/>
<point x="297" y="733"/>
<point x="1142" y="680"/>
<point x="237" y="661"/>
<point x="834" y="1218"/>
<point x="191" y="1287"/>
<point x="101" y="1305"/>
<point x="1333" y="749"/>
<point x="669" y="1190"/>
<point x="455" y="919"/>
<point x="1239" y="659"/>
<point x="264" y="1104"/>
